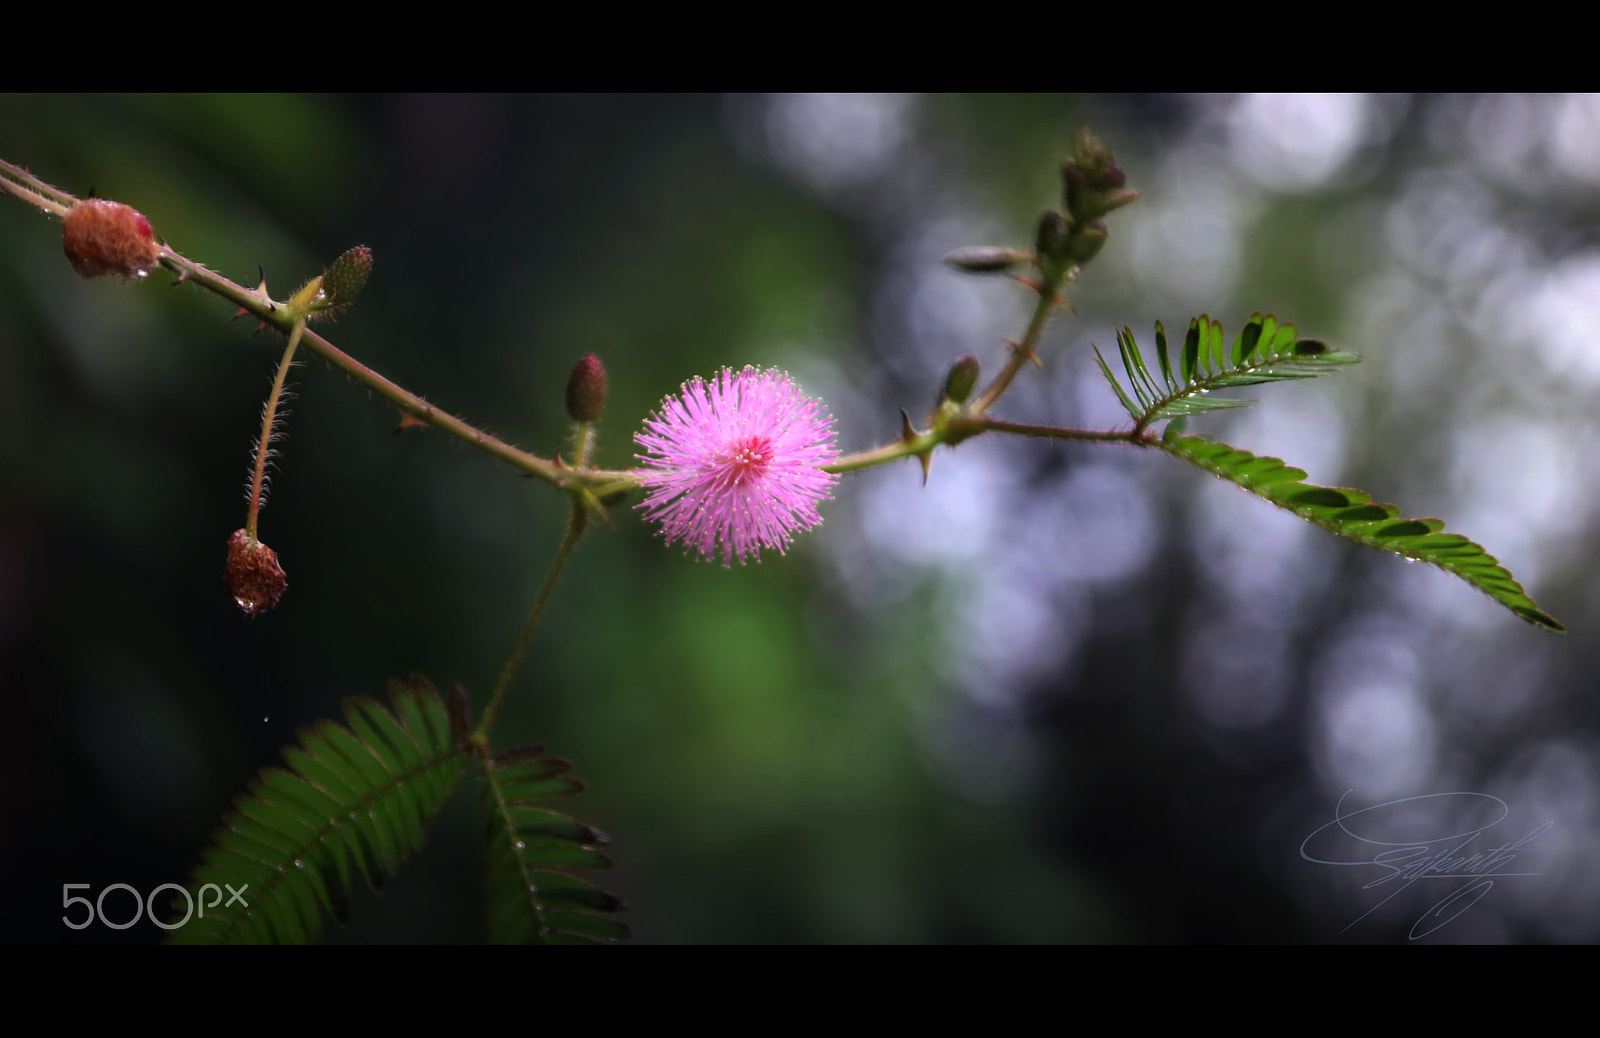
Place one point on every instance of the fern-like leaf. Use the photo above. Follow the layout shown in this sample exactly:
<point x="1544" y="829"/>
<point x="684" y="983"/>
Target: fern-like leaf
<point x="362" y="796"/>
<point x="1263" y="351"/>
<point x="1353" y="514"/>
<point x="533" y="896"/>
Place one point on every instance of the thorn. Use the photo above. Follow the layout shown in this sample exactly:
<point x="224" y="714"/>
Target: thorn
<point x="907" y="433"/>
<point x="91" y="190"/>
<point x="409" y="421"/>
<point x="1016" y="347"/>
<point x="242" y="313"/>
<point x="1030" y="282"/>
<point x="262" y="287"/>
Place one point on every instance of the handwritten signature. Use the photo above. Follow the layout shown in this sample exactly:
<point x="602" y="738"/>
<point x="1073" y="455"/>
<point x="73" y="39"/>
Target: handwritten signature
<point x="1403" y="862"/>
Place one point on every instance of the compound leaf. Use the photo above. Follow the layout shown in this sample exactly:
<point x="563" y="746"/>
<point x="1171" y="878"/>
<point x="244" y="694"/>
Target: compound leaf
<point x="1354" y="515"/>
<point x="1264" y="351"/>
<point x="362" y="795"/>
<point x="533" y="895"/>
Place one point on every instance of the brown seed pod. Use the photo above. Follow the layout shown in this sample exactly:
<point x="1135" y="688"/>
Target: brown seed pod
<point x="104" y="237"/>
<point x="254" y="577"/>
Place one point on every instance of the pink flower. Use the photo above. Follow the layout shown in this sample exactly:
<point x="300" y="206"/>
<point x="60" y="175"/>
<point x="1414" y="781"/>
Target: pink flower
<point x="737" y="463"/>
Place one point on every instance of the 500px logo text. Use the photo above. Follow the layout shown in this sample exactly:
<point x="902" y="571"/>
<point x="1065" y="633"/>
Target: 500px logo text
<point x="143" y="906"/>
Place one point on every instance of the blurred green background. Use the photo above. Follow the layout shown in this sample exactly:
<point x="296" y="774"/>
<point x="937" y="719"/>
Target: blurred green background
<point x="1064" y="693"/>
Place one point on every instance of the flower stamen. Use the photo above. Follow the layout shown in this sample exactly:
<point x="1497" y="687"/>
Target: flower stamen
<point x="736" y="465"/>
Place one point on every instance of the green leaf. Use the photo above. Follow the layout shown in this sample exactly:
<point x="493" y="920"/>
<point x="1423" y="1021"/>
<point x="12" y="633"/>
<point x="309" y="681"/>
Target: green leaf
<point x="1105" y="369"/>
<point x="1353" y="514"/>
<point x="1161" y="353"/>
<point x="533" y="898"/>
<point x="366" y="793"/>
<point x="1263" y="351"/>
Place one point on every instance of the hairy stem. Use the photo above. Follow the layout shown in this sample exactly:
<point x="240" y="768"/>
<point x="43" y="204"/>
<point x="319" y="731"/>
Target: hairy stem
<point x="34" y="191"/>
<point x="1023" y="351"/>
<point x="269" y="418"/>
<point x="582" y="444"/>
<point x="409" y="403"/>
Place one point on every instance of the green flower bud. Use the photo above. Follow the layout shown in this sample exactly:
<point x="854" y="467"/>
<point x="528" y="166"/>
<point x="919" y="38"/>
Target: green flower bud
<point x="1052" y="235"/>
<point x="963" y="378"/>
<point x="1086" y="244"/>
<point x="346" y="276"/>
<point x="1092" y="157"/>
<point x="1091" y="181"/>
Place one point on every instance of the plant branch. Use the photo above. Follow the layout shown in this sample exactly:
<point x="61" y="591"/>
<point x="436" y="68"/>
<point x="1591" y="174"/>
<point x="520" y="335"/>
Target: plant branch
<point x="1136" y="437"/>
<point x="273" y="313"/>
<point x="1023" y="352"/>
<point x="34" y="191"/>
<point x="576" y="522"/>
<point x="269" y="418"/>
<point x="30" y="189"/>
<point x="963" y="425"/>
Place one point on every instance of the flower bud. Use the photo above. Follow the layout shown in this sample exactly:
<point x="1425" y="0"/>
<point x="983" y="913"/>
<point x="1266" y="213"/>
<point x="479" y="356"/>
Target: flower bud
<point x="1118" y="198"/>
<point x="1092" y="182"/>
<point x="254" y="577"/>
<point x="1074" y="183"/>
<point x="1094" y="158"/>
<point x="346" y="275"/>
<point x="987" y="259"/>
<point x="963" y="377"/>
<point x="1054" y="230"/>
<point x="586" y="389"/>
<point x="105" y="237"/>
<point x="1086" y="244"/>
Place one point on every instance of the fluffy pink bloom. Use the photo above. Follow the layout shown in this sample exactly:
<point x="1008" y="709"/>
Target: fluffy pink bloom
<point x="736" y="463"/>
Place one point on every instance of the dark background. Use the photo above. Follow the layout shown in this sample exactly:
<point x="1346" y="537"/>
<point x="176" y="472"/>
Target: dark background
<point x="1064" y="693"/>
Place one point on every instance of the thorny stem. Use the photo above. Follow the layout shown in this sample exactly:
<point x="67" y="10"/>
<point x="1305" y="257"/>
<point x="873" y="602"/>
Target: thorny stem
<point x="1024" y="351"/>
<point x="30" y="189"/>
<point x="269" y="416"/>
<point x="962" y="428"/>
<point x="409" y="403"/>
<point x="602" y="483"/>
<point x="576" y="521"/>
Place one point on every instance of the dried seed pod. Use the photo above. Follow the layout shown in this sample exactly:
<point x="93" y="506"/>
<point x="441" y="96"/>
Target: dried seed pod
<point x="104" y="237"/>
<point x="254" y="577"/>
